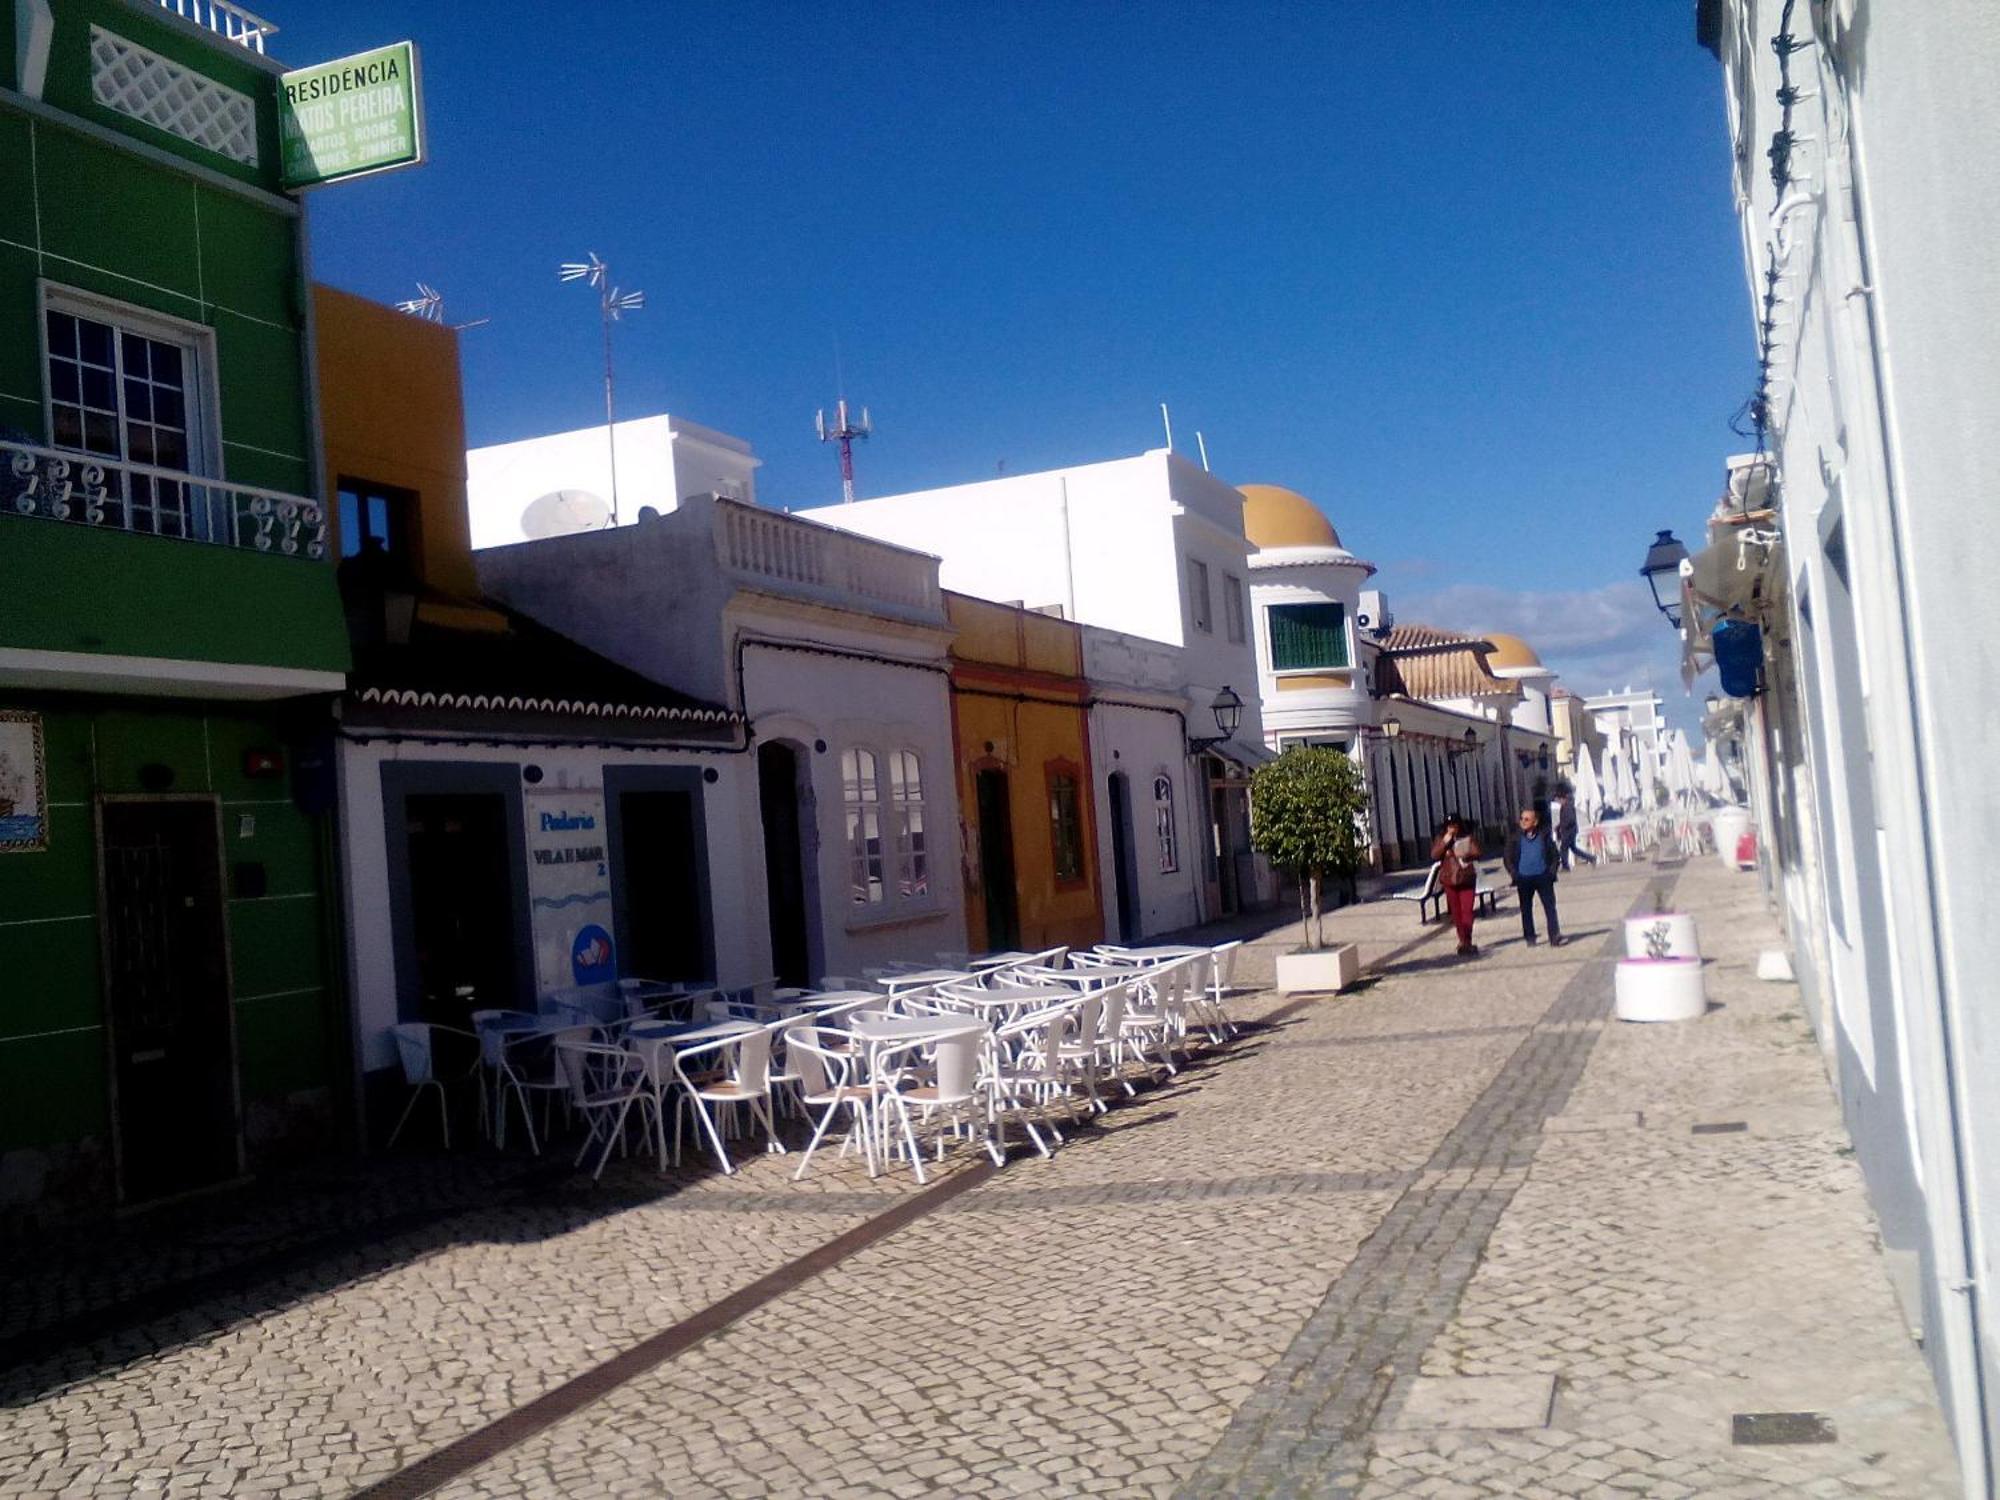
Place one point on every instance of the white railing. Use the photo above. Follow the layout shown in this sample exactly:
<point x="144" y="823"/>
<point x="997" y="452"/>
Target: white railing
<point x="231" y="21"/>
<point x="787" y="550"/>
<point x="89" y="491"/>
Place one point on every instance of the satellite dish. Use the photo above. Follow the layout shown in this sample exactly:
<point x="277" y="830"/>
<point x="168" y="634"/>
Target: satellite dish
<point x="565" y="512"/>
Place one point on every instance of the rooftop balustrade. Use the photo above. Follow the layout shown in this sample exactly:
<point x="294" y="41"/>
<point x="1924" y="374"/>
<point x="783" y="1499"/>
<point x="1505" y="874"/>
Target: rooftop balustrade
<point x="85" y="490"/>
<point x="796" y="555"/>
<point x="231" y="22"/>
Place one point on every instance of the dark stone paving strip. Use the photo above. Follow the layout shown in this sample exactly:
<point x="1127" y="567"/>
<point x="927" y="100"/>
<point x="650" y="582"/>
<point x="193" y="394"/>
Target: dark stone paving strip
<point x="459" y="1458"/>
<point x="1304" y="1429"/>
<point x="1398" y="1038"/>
<point x="1186" y="1191"/>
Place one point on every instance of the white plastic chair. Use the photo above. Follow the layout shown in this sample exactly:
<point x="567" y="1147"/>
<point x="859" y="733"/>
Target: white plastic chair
<point x="417" y="1050"/>
<point x="604" y="1083"/>
<point x="745" y="1079"/>
<point x="829" y="1062"/>
<point x="940" y="1076"/>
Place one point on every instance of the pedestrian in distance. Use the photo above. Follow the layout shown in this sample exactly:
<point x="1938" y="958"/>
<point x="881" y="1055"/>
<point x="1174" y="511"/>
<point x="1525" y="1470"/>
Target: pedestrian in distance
<point x="1562" y="817"/>
<point x="1457" y="853"/>
<point x="1532" y="858"/>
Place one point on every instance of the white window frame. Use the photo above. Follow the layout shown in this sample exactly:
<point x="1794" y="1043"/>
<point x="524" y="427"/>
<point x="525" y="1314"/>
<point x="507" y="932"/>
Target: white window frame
<point x="197" y="344"/>
<point x="1166" y="823"/>
<point x="892" y="837"/>
<point x="1348" y="643"/>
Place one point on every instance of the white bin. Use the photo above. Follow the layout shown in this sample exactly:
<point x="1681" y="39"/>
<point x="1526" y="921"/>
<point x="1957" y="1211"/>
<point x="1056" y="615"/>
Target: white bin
<point x="1729" y="824"/>
<point x="1677" y="927"/>
<point x="1660" y="989"/>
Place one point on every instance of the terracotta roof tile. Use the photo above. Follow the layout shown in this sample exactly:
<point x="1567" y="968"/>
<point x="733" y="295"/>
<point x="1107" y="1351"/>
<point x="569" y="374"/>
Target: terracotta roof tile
<point x="1426" y="661"/>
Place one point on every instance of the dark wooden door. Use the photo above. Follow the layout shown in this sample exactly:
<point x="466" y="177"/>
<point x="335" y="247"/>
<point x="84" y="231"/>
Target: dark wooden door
<point x="996" y="860"/>
<point x="166" y="985"/>
<point x="784" y="862"/>
<point x="461" y="905"/>
<point x="662" y="874"/>
<point x="1124" y="868"/>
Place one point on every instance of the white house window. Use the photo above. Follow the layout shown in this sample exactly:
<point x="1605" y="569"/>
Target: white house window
<point x="862" y="794"/>
<point x="906" y="807"/>
<point x="1307" y="637"/>
<point x="1163" y="824"/>
<point x="126" y="389"/>
<point x="1232" y="606"/>
<point x="1198" y="600"/>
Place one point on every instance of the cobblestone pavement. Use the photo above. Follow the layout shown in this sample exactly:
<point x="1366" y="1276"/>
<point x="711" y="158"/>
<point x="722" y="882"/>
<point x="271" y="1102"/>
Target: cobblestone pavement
<point x="1276" y="1274"/>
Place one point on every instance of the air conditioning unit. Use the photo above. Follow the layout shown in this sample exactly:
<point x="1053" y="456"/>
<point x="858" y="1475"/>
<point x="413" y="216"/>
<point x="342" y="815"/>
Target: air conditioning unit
<point x="1373" y="617"/>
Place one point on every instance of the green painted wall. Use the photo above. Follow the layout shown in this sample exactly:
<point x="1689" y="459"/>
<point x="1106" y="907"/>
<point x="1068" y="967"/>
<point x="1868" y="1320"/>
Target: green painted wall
<point x="74" y="588"/>
<point x="284" y="969"/>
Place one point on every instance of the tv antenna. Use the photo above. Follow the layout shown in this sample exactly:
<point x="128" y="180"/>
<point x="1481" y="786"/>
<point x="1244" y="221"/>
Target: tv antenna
<point x="428" y="305"/>
<point x="612" y="304"/>
<point x="844" y="432"/>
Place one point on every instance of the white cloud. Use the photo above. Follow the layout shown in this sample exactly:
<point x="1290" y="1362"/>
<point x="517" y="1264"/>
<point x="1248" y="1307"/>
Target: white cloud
<point x="1599" y="640"/>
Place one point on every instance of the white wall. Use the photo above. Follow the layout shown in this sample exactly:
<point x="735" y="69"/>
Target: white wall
<point x="662" y="460"/>
<point x="1144" y="743"/>
<point x="735" y="880"/>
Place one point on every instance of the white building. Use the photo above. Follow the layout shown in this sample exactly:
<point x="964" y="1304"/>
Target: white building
<point x="1150" y="547"/>
<point x="1150" y="808"/>
<point x="1864" y="560"/>
<point x="1427" y="714"/>
<point x="834" y="647"/>
<point x="1635" y="719"/>
<point x="662" y="460"/>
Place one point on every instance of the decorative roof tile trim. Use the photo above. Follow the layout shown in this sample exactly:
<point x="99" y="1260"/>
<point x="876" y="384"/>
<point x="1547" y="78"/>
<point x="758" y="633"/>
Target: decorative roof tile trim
<point x="416" y="698"/>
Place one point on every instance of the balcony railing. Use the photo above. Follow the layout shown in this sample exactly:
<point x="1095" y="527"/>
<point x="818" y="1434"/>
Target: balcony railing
<point x="786" y="550"/>
<point x="225" y="20"/>
<point x="89" y="491"/>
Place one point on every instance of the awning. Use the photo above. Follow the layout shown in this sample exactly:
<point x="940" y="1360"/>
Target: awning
<point x="1739" y="576"/>
<point x="1246" y="758"/>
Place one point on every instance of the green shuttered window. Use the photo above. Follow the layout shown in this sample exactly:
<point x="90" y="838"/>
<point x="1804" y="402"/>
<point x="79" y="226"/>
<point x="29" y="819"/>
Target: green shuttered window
<point x="1306" y="637"/>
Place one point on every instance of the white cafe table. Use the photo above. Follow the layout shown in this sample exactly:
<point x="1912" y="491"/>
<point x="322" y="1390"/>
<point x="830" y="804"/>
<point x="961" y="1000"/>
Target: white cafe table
<point x="922" y="979"/>
<point x="817" y="1000"/>
<point x="880" y="1031"/>
<point x="987" y="961"/>
<point x="677" y="1035"/>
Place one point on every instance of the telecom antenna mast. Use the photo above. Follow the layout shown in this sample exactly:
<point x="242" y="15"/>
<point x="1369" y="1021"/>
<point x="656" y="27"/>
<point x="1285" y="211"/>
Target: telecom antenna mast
<point x="844" y="433"/>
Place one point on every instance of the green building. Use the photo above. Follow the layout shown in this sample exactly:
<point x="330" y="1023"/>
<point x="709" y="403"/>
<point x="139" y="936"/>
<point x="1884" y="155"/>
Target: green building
<point x="170" y="631"/>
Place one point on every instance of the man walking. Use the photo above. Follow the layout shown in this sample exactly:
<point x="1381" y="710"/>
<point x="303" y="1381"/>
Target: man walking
<point x="1531" y="858"/>
<point x="1562" y="817"/>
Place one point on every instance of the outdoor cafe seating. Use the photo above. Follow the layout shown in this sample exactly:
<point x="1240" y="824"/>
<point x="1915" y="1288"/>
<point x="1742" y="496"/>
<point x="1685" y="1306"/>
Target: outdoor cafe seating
<point x="909" y="1062"/>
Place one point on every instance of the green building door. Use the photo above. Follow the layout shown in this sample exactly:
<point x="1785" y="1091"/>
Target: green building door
<point x="166" y="980"/>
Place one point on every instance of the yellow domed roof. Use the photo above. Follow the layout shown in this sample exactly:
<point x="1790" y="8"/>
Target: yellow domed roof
<point x="1277" y="517"/>
<point x="1510" y="651"/>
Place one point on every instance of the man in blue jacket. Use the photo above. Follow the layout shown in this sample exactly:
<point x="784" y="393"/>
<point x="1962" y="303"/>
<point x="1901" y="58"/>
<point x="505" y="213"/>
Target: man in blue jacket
<point x="1532" y="859"/>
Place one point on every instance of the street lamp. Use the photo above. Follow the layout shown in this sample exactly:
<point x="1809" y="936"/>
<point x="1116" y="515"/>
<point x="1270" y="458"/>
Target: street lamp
<point x="1468" y="745"/>
<point x="1227" y="707"/>
<point x="1662" y="572"/>
<point x="1391" y="725"/>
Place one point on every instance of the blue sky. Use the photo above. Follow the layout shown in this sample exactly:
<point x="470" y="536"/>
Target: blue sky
<point x="1466" y="273"/>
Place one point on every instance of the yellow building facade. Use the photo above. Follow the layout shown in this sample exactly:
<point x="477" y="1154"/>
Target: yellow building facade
<point x="1020" y="731"/>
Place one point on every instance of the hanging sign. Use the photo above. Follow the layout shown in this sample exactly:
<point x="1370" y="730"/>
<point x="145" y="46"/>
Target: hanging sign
<point x="350" y="117"/>
<point x="569" y="889"/>
<point x="24" y="807"/>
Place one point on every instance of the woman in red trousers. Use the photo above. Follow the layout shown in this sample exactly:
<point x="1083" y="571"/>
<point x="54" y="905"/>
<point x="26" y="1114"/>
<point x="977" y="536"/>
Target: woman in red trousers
<point x="1457" y="853"/>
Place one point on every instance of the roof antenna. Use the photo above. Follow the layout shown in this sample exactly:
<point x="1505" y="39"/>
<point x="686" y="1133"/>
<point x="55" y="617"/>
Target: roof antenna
<point x="1167" y="422"/>
<point x="1203" y="446"/>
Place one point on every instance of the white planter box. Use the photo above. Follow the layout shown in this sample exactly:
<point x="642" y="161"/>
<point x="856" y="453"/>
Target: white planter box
<point x="1660" y="989"/>
<point x="1325" y="972"/>
<point x="1681" y="940"/>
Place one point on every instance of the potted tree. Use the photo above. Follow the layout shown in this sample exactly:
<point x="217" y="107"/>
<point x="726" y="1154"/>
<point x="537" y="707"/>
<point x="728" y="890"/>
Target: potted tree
<point x="1306" y="812"/>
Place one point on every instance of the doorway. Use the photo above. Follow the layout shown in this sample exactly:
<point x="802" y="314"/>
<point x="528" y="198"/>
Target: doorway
<point x="461" y="904"/>
<point x="167" y="996"/>
<point x="996" y="859"/>
<point x="1124" y="868"/>
<point x="1229" y="898"/>
<point x="781" y="789"/>
<point x="663" y="915"/>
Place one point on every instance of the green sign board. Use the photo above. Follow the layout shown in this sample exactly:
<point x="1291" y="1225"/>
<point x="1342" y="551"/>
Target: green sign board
<point x="346" y="118"/>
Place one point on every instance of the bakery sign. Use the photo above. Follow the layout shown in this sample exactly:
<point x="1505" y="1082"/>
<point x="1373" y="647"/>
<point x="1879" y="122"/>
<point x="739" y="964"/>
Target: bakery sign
<point x="569" y="889"/>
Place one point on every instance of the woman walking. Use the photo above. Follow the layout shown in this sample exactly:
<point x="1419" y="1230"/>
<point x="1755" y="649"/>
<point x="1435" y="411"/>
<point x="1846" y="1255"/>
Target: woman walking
<point x="1457" y="854"/>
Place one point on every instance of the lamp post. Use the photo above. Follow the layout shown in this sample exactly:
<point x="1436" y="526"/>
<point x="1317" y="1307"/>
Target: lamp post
<point x="1662" y="571"/>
